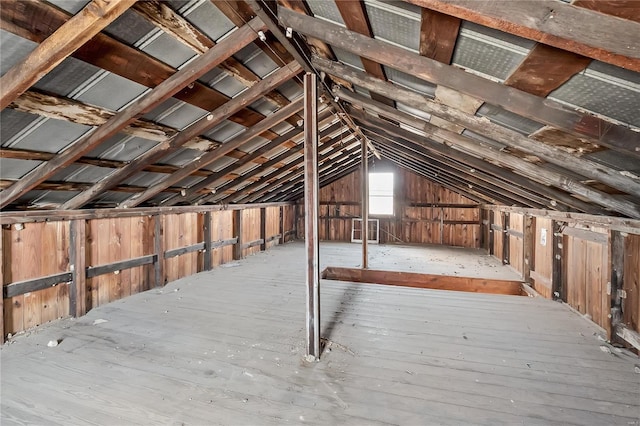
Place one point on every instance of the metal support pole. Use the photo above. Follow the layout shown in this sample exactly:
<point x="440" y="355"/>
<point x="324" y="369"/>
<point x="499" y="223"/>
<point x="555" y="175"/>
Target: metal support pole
<point x="311" y="215"/>
<point x="365" y="204"/>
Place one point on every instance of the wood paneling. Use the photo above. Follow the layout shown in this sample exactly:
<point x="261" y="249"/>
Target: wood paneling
<point x="425" y="212"/>
<point x="516" y="243"/>
<point x="542" y="272"/>
<point x="39" y="249"/>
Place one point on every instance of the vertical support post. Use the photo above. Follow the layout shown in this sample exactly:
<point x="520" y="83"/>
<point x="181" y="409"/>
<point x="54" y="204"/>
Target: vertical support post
<point x="492" y="236"/>
<point x="237" y="232"/>
<point x="505" y="238"/>
<point x="2" y="333"/>
<point x="78" y="266"/>
<point x="263" y="228"/>
<point x="311" y="183"/>
<point x="158" y="247"/>
<point x="557" y="281"/>
<point x="483" y="229"/>
<point x="365" y="204"/>
<point x="207" y="241"/>
<point x="441" y="225"/>
<point x="527" y="248"/>
<point x="281" y="226"/>
<point x="616" y="260"/>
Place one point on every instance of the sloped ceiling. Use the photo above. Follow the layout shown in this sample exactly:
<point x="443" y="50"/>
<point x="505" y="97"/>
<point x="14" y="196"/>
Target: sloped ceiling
<point x="123" y="104"/>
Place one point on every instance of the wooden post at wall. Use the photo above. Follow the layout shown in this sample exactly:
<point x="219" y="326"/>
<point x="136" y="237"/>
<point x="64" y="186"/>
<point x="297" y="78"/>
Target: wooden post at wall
<point x="505" y="238"/>
<point x="207" y="241"/>
<point x="616" y="283"/>
<point x="557" y="278"/>
<point x="237" y="233"/>
<point x="311" y="183"/>
<point x="263" y="228"/>
<point x="78" y="265"/>
<point x="158" y="247"/>
<point x="1" y="287"/>
<point x="492" y="237"/>
<point x="281" y="225"/>
<point x="527" y="248"/>
<point x="365" y="204"/>
<point x="483" y="228"/>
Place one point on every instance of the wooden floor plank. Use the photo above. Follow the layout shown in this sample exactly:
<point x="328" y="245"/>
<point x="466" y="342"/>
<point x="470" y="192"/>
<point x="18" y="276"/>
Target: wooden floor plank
<point x="226" y="347"/>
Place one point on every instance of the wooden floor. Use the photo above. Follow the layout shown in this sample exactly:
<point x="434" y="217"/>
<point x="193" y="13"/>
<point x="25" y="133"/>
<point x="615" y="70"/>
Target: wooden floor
<point x="226" y="347"/>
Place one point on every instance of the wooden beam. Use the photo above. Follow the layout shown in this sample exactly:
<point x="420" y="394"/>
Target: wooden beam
<point x="438" y="35"/>
<point x="364" y="203"/>
<point x="545" y="69"/>
<point x="311" y="216"/>
<point x="565" y="26"/>
<point x="162" y="15"/>
<point x="616" y="280"/>
<point x="625" y="9"/>
<point x="78" y="265"/>
<point x="430" y="281"/>
<point x="558" y="289"/>
<point x="506" y="254"/>
<point x="158" y="248"/>
<point x="193" y="193"/>
<point x="271" y="163"/>
<point x="513" y="139"/>
<point x="237" y="233"/>
<point x="528" y="251"/>
<point x="64" y="41"/>
<point x="206" y="231"/>
<point x="163" y="91"/>
<point x="514" y="100"/>
<point x="74" y="111"/>
<point x="21" y="154"/>
<point x="522" y="167"/>
<point x="356" y="19"/>
<point x="208" y="158"/>
<point x="263" y="228"/>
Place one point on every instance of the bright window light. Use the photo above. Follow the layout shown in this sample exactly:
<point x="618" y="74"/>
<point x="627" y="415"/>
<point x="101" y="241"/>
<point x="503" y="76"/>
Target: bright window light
<point x="381" y="193"/>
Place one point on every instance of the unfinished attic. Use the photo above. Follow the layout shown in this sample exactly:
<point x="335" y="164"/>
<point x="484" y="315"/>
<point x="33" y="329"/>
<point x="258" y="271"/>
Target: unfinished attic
<point x="322" y="212"/>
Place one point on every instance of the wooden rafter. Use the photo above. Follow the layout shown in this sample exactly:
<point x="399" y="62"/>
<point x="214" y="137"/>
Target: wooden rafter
<point x="625" y="9"/>
<point x="526" y="169"/>
<point x="162" y="15"/>
<point x="114" y="56"/>
<point x="545" y="69"/>
<point x="274" y="162"/>
<point x="214" y="155"/>
<point x="543" y="110"/>
<point x="491" y="130"/>
<point x="438" y="35"/>
<point x="200" y="126"/>
<point x="125" y="117"/>
<point x="194" y="192"/>
<point x="356" y="19"/>
<point x="565" y="26"/>
<point x="64" y="41"/>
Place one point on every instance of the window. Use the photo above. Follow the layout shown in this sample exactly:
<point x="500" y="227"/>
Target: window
<point x="381" y="193"/>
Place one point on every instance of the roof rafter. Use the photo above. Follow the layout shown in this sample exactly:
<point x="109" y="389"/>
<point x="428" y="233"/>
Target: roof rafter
<point x="64" y="41"/>
<point x="200" y="126"/>
<point x="491" y="130"/>
<point x="533" y="107"/>
<point x="605" y="38"/>
<point x="208" y="158"/>
<point x="122" y="119"/>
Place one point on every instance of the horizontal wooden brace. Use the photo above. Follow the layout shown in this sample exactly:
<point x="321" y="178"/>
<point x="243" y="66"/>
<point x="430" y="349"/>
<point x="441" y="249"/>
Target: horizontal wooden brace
<point x="585" y="234"/>
<point x="94" y="271"/>
<point x="224" y="243"/>
<point x="27" y="286"/>
<point x="446" y="206"/>
<point x="252" y="243"/>
<point x="183" y="250"/>
<point x="630" y="336"/>
<point x="514" y="233"/>
<point x="272" y="238"/>
<point x="292" y="232"/>
<point x="495" y="227"/>
<point x="7" y="218"/>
